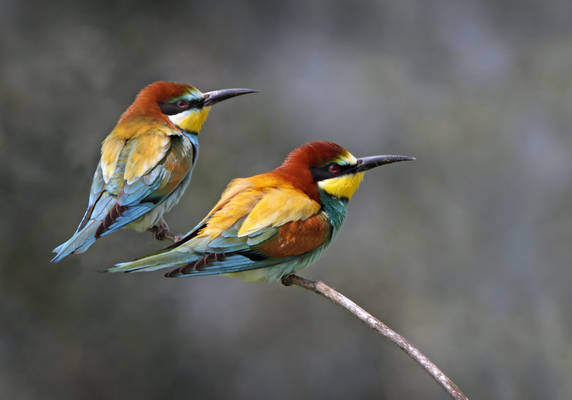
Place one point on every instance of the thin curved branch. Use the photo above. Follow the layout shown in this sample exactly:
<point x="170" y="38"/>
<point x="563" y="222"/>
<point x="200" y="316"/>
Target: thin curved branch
<point x="324" y="290"/>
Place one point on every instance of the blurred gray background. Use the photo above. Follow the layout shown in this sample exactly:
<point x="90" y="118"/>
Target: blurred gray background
<point x="466" y="251"/>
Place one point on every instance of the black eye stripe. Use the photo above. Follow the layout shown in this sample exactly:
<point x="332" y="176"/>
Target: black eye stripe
<point x="325" y="171"/>
<point x="172" y="108"/>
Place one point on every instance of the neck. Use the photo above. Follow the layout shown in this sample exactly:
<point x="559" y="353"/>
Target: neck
<point x="335" y="208"/>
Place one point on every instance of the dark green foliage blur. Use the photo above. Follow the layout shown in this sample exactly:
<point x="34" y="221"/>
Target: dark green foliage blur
<point x="465" y="251"/>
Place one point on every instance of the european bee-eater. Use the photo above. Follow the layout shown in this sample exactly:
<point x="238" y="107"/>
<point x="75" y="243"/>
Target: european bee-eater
<point x="270" y="225"/>
<point x="146" y="162"/>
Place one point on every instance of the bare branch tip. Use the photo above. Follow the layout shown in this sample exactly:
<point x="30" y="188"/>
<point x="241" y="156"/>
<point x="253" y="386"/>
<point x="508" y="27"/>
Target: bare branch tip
<point x="325" y="290"/>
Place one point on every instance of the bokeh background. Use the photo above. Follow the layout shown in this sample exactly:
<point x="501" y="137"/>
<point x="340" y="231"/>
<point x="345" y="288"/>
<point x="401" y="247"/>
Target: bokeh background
<point x="466" y="251"/>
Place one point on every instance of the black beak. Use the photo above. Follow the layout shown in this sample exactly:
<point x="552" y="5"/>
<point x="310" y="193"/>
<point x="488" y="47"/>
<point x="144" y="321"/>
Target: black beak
<point x="365" y="163"/>
<point x="216" y="96"/>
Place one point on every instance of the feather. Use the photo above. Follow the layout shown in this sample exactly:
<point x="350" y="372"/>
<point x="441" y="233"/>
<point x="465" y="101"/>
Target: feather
<point x="277" y="207"/>
<point x="110" y="150"/>
<point x="145" y="153"/>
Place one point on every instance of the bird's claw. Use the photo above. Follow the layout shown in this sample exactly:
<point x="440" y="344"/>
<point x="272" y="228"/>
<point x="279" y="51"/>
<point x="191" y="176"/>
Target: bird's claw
<point x="287" y="280"/>
<point x="161" y="232"/>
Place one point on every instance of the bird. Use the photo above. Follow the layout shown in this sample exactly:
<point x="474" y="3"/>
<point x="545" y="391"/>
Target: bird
<point x="268" y="226"/>
<point x="146" y="163"/>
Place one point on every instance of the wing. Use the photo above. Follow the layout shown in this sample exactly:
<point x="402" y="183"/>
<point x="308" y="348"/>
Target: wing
<point x="252" y="229"/>
<point x="94" y="195"/>
<point x="139" y="186"/>
<point x="147" y="144"/>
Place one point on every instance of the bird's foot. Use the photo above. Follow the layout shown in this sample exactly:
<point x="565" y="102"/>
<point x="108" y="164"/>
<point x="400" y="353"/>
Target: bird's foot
<point x="161" y="231"/>
<point x="287" y="280"/>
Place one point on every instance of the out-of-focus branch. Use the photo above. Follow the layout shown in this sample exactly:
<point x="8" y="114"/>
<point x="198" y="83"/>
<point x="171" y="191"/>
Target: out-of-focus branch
<point x="322" y="289"/>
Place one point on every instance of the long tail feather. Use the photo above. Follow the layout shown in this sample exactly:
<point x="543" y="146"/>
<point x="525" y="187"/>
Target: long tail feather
<point x="86" y="233"/>
<point x="78" y="243"/>
<point x="166" y="259"/>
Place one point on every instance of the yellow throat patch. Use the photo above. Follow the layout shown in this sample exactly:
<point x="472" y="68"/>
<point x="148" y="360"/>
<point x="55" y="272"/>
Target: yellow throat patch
<point x="191" y="120"/>
<point x="343" y="186"/>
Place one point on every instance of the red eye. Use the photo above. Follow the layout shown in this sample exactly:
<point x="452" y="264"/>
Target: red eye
<point x="182" y="104"/>
<point x="334" y="168"/>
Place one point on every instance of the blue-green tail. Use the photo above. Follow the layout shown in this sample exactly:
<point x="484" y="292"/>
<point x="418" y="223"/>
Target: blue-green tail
<point x="81" y="240"/>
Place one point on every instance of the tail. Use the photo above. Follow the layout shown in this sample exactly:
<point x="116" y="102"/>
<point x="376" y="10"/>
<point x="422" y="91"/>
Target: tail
<point x="186" y="262"/>
<point x="79" y="242"/>
<point x="160" y="260"/>
<point x="87" y="231"/>
<point x="103" y="217"/>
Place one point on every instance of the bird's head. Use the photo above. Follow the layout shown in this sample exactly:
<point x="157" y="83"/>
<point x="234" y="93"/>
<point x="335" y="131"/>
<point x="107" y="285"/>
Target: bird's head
<point x="182" y="104"/>
<point x="330" y="168"/>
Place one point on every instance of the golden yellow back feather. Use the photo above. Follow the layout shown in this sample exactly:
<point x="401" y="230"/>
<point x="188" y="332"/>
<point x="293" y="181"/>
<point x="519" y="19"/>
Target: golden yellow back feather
<point x="263" y="200"/>
<point x="110" y="150"/>
<point x="277" y="207"/>
<point x="147" y="146"/>
<point x="146" y="152"/>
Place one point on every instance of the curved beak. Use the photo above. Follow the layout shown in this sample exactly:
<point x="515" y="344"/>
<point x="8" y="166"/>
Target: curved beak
<point x="365" y="163"/>
<point x="216" y="96"/>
